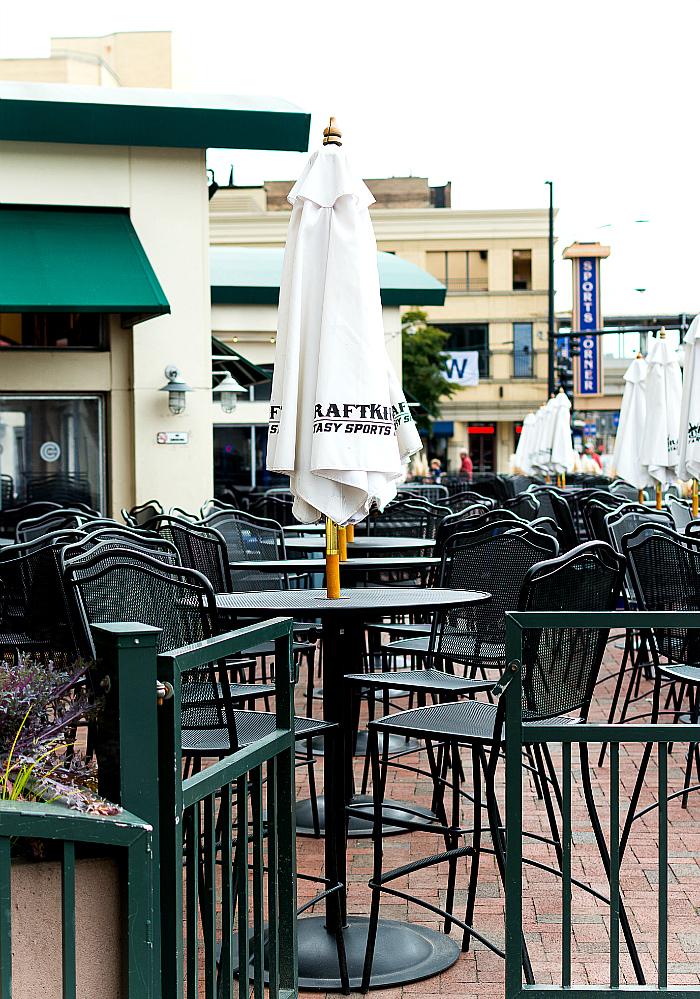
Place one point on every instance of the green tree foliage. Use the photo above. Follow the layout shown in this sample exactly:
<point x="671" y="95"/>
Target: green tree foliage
<point x="424" y="364"/>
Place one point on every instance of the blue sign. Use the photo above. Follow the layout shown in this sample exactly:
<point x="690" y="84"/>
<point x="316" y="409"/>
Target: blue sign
<point x="563" y="346"/>
<point x="588" y="293"/>
<point x="588" y="368"/>
<point x="589" y="429"/>
<point x="444" y="428"/>
<point x="616" y="420"/>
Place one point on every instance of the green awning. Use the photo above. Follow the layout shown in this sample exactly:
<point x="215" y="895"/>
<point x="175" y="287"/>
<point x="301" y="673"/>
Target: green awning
<point x="76" y="261"/>
<point x="225" y="358"/>
<point x="251" y="275"/>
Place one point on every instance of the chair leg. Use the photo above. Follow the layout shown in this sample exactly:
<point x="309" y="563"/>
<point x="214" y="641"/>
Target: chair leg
<point x="378" y="772"/>
<point x="478" y="760"/>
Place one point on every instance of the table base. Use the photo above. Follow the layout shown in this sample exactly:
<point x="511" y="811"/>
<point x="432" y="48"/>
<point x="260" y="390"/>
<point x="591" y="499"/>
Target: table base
<point x="404" y="953"/>
<point x="360" y="828"/>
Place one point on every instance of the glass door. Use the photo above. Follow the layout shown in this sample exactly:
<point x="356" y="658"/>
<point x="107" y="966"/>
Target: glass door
<point x="51" y="448"/>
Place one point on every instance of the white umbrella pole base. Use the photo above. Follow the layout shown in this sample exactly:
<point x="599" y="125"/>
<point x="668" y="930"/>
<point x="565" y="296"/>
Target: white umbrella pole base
<point x="404" y="952"/>
<point x="361" y="828"/>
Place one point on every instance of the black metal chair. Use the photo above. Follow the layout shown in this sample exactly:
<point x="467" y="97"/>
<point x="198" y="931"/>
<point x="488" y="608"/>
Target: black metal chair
<point x="138" y="515"/>
<point x="558" y="673"/>
<point x="565" y="519"/>
<point x="412" y="518"/>
<point x="200" y="547"/>
<point x="524" y="505"/>
<point x="251" y="539"/>
<point x="681" y="511"/>
<point x="468" y="498"/>
<point x="48" y="523"/>
<point x="11" y="516"/>
<point x="431" y="492"/>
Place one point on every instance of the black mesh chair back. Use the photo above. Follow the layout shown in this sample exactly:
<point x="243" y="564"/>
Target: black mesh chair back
<point x="544" y="495"/>
<point x="594" y="513"/>
<point x="490" y="484"/>
<point x="627" y="518"/>
<point x="274" y="505"/>
<point x="115" y="584"/>
<point x="560" y="666"/>
<point x="409" y="519"/>
<point x="121" y="537"/>
<point x="681" y="512"/>
<point x="13" y="515"/>
<point x="214" y="506"/>
<point x="431" y="492"/>
<point x="692" y="529"/>
<point x="468" y="520"/>
<point x="467" y="498"/>
<point x="201" y="547"/>
<point x="251" y="539"/>
<point x="565" y="519"/>
<point x="35" y="610"/>
<point x="520" y="483"/>
<point x="625" y="490"/>
<point x="497" y="564"/>
<point x="138" y="515"/>
<point x="525" y="505"/>
<point x="664" y="568"/>
<point x="48" y="523"/>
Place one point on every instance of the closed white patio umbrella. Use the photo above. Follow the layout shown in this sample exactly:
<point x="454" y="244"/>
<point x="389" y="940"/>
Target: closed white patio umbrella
<point x="340" y="427"/>
<point x="659" y="448"/>
<point x="522" y="458"/>
<point x="626" y="456"/>
<point x="562" y="456"/>
<point x="543" y="457"/>
<point x="689" y="431"/>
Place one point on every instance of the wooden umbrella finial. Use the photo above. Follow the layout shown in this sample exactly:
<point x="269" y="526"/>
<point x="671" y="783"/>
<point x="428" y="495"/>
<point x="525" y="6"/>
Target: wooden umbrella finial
<point x="332" y="134"/>
<point x="662" y="331"/>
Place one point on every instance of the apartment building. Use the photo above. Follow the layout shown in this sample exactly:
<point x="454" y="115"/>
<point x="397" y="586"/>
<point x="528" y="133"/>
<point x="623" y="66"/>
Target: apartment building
<point x="494" y="266"/>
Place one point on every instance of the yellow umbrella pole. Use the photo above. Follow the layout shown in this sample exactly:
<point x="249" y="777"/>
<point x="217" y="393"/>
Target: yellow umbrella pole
<point x="695" y="499"/>
<point x="658" y="495"/>
<point x="342" y="544"/>
<point x="640" y="495"/>
<point x="563" y="480"/>
<point x="332" y="561"/>
<point x="350" y="532"/>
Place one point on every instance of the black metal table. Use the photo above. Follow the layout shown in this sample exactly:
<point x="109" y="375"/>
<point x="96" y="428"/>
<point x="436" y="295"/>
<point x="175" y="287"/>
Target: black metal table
<point x="372" y="545"/>
<point x="350" y="567"/>
<point x="404" y="952"/>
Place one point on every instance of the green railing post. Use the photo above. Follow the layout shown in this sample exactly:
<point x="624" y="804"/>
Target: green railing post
<point x="286" y="817"/>
<point x="514" y="809"/>
<point x="127" y="738"/>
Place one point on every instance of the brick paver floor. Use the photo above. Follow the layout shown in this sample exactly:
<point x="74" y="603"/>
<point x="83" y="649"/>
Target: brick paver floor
<point x="481" y="973"/>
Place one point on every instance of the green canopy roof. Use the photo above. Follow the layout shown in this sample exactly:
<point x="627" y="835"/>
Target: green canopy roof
<point x="76" y="261"/>
<point x="148" y="116"/>
<point x="225" y="358"/>
<point x="251" y="275"/>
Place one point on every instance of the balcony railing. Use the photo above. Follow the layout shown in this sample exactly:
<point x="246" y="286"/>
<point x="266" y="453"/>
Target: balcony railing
<point x="459" y="286"/>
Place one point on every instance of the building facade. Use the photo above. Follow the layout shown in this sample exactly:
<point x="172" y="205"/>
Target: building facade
<point x="494" y="265"/>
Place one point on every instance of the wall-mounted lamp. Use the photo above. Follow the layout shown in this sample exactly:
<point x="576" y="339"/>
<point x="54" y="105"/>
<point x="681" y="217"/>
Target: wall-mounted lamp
<point x="227" y="389"/>
<point x="176" y="389"/>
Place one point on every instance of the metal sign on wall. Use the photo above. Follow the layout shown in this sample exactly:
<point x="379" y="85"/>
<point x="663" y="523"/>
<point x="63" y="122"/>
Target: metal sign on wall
<point x="587" y="316"/>
<point x="463" y="367"/>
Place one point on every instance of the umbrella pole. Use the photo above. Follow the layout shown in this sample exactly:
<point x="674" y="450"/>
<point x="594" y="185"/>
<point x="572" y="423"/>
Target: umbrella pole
<point x="342" y="544"/>
<point x="332" y="561"/>
<point x="563" y="480"/>
<point x="350" y="532"/>
<point x="695" y="499"/>
<point x="658" y="495"/>
<point x="640" y="495"/>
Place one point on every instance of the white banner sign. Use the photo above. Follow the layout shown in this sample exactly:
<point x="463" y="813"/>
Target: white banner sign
<point x="463" y="367"/>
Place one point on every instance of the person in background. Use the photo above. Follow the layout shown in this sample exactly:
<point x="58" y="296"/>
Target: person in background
<point x="466" y="469"/>
<point x="594" y="457"/>
<point x="436" y="471"/>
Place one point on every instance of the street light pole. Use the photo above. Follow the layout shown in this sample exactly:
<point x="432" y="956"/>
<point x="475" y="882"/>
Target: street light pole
<point x="550" y="290"/>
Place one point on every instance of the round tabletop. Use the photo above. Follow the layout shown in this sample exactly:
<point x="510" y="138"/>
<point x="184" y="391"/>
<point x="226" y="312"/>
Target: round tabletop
<point x="382" y="599"/>
<point x="360" y="544"/>
<point x="393" y="562"/>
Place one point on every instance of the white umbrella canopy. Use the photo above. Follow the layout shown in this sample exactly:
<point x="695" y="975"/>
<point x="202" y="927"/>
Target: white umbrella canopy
<point x="543" y="457"/>
<point x="534" y="445"/>
<point x="340" y="427"/>
<point x="659" y="447"/>
<point x="562" y="457"/>
<point x="626" y="461"/>
<point x="523" y="453"/>
<point x="689" y="432"/>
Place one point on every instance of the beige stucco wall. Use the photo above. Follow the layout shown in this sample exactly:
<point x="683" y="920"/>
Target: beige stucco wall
<point x="166" y="193"/>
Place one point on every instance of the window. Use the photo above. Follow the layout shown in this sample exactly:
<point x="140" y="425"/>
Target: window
<point x="523" y="357"/>
<point x="51" y="329"/>
<point x="52" y="448"/>
<point x="469" y="336"/>
<point x="460" y="270"/>
<point x="233" y="447"/>
<point x="263" y="391"/>
<point x="522" y="270"/>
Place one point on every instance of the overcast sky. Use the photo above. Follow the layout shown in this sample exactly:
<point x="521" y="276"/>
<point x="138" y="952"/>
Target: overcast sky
<point x="601" y="97"/>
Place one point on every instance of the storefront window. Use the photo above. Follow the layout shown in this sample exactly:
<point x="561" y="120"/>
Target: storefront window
<point x="52" y="330"/>
<point x="51" y="448"/>
<point x="233" y="447"/>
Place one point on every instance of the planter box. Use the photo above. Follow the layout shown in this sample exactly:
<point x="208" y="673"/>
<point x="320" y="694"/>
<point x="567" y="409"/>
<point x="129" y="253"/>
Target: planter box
<point x="36" y="929"/>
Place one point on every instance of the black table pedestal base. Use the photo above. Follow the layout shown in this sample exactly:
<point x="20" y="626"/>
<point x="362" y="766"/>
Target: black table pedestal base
<point x="360" y="828"/>
<point x="404" y="953"/>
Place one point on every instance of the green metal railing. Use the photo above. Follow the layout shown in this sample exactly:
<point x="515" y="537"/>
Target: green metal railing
<point x="134" y="838"/>
<point x="518" y="735"/>
<point x="194" y="818"/>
